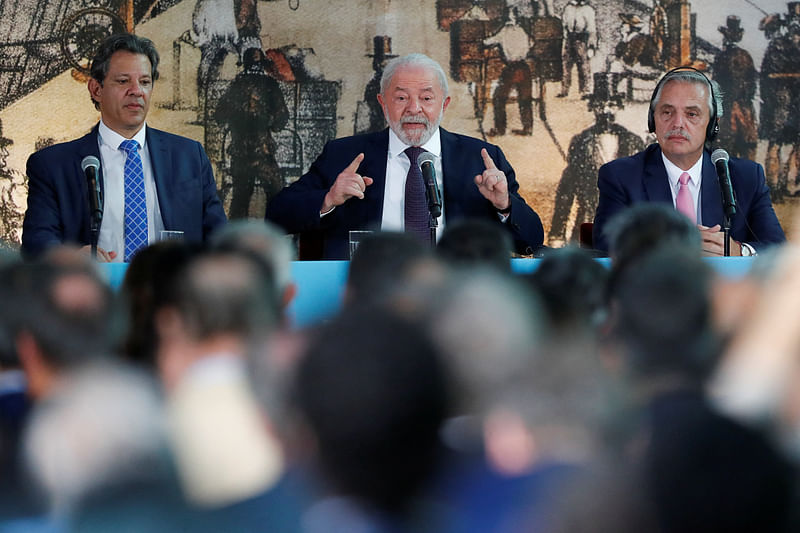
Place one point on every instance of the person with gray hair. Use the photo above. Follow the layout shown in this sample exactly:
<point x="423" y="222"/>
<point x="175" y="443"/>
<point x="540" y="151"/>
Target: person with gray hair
<point x="267" y="241"/>
<point x="373" y="181"/>
<point x="679" y="170"/>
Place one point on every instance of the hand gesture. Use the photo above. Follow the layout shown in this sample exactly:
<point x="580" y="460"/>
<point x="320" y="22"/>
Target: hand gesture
<point x="492" y="184"/>
<point x="348" y="184"/>
<point x="714" y="241"/>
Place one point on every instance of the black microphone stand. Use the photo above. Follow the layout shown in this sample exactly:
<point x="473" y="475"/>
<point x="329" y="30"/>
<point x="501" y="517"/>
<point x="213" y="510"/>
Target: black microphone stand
<point x="95" y="220"/>
<point x="433" y="224"/>
<point x="726" y="235"/>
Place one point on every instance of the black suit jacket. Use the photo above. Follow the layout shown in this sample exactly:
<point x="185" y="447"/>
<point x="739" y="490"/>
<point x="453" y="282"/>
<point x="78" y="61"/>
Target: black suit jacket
<point x="296" y="207"/>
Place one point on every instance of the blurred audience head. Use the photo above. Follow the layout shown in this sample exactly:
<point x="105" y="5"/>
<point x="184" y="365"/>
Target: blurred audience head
<point x="64" y="316"/>
<point x="571" y="287"/>
<point x="383" y="264"/>
<point x="269" y="242"/>
<point x="662" y="316"/>
<point x="147" y="282"/>
<point x="220" y="301"/>
<point x="372" y="389"/>
<point x="476" y="242"/>
<point x="640" y="228"/>
<point x="100" y="432"/>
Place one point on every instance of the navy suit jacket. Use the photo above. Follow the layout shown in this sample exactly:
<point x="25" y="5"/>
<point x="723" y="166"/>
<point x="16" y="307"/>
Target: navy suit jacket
<point x="643" y="178"/>
<point x="58" y="202"/>
<point x="296" y="207"/>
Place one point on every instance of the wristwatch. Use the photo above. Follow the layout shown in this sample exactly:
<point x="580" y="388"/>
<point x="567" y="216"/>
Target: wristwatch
<point x="747" y="250"/>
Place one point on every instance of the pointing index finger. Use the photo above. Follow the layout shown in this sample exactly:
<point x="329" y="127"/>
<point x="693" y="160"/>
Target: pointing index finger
<point x="352" y="167"/>
<point x="487" y="159"/>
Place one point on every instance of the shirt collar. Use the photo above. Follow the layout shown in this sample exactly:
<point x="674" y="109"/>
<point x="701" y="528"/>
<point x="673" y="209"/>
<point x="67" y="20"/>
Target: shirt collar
<point x="113" y="139"/>
<point x="397" y="147"/>
<point x="674" y="172"/>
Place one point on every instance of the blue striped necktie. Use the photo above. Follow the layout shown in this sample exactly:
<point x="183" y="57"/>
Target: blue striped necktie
<point x="135" y="202"/>
<point x="417" y="215"/>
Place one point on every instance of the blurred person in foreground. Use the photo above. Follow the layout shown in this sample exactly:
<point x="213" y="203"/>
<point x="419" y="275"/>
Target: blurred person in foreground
<point x="98" y="448"/>
<point x="524" y="420"/>
<point x="268" y="241"/>
<point x="757" y="381"/>
<point x="684" y="114"/>
<point x="375" y="426"/>
<point x="373" y="181"/>
<point x="384" y="264"/>
<point x="475" y="242"/>
<point x="219" y="312"/>
<point x="702" y="470"/>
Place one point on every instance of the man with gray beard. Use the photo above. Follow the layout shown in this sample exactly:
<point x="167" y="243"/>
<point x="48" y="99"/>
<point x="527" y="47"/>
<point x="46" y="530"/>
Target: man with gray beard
<point x="360" y="182"/>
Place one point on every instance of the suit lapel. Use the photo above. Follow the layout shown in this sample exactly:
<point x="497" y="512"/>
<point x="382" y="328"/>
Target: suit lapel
<point x="710" y="197"/>
<point x="452" y="165"/>
<point x="89" y="144"/>
<point x="374" y="166"/>
<point x="655" y="180"/>
<point x="160" y="163"/>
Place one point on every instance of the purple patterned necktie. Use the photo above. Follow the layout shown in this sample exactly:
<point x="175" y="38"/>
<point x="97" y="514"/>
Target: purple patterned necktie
<point x="417" y="216"/>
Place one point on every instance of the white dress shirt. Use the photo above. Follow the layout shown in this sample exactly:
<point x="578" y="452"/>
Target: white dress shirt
<point x="695" y="173"/>
<point x="397" y="165"/>
<point x="112" y="159"/>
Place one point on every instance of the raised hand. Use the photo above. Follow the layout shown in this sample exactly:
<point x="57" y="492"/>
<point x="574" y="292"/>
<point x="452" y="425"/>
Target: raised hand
<point x="348" y="184"/>
<point x="492" y="183"/>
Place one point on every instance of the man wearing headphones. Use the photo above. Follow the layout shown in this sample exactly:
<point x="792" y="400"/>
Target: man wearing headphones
<point x="684" y="114"/>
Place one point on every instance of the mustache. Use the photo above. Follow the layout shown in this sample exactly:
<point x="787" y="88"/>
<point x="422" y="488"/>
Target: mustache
<point x="417" y="119"/>
<point x="680" y="133"/>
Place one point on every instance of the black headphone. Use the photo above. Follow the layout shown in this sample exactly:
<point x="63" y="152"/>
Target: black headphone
<point x="713" y="123"/>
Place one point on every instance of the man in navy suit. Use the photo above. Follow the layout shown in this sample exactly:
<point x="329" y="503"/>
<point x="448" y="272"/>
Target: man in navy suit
<point x="179" y="187"/>
<point x="684" y="113"/>
<point x="359" y="182"/>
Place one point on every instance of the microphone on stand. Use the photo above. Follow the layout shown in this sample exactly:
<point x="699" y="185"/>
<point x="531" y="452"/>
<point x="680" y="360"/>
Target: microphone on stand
<point x="90" y="166"/>
<point x="720" y="159"/>
<point x="425" y="162"/>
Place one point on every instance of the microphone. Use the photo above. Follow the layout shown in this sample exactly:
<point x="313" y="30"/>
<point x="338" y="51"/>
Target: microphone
<point x="720" y="159"/>
<point x="425" y="162"/>
<point x="90" y="166"/>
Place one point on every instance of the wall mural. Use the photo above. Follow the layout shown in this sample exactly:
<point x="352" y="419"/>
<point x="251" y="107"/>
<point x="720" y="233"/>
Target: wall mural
<point x="562" y="86"/>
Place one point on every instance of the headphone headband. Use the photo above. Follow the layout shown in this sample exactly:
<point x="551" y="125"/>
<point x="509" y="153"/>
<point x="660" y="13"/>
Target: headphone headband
<point x="713" y="122"/>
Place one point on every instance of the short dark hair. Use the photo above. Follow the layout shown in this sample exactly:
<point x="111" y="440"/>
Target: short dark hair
<point x="225" y="291"/>
<point x="476" y="242"/>
<point x="70" y="330"/>
<point x="127" y="42"/>
<point x="663" y="315"/>
<point x="381" y="262"/>
<point x="372" y="387"/>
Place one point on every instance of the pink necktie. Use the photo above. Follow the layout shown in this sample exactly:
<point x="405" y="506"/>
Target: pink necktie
<point x="683" y="202"/>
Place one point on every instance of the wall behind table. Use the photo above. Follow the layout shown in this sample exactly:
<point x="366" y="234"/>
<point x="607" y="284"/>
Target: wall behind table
<point x="322" y="56"/>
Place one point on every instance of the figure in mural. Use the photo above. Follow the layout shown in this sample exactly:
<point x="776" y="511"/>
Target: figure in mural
<point x="677" y="171"/>
<point x="371" y="118"/>
<point x="368" y="182"/>
<point x="636" y="49"/>
<point x="603" y="141"/>
<point x="658" y="29"/>
<point x="780" y="102"/>
<point x="514" y="46"/>
<point x="252" y="108"/>
<point x="219" y="28"/>
<point x="733" y="69"/>
<point x="151" y="180"/>
<point x="10" y="214"/>
<point x="580" y="42"/>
